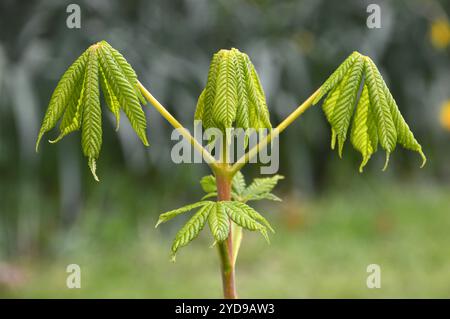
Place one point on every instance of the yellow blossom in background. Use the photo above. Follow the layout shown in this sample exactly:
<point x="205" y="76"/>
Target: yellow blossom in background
<point x="445" y="115"/>
<point x="440" y="33"/>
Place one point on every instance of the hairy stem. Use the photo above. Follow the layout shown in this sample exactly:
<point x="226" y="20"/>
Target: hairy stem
<point x="275" y="132"/>
<point x="177" y="125"/>
<point x="225" y="248"/>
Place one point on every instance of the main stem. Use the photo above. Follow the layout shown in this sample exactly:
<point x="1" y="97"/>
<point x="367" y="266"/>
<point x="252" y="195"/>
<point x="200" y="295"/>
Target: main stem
<point x="224" y="174"/>
<point x="225" y="248"/>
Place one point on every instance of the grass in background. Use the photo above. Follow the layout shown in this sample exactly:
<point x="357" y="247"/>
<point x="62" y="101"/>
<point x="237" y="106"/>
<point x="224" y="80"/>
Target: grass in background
<point x="321" y="250"/>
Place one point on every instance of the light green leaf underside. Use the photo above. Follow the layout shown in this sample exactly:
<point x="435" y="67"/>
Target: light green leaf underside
<point x="377" y="119"/>
<point x="76" y="99"/>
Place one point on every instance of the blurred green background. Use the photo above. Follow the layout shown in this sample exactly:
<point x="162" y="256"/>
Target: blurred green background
<point x="333" y="221"/>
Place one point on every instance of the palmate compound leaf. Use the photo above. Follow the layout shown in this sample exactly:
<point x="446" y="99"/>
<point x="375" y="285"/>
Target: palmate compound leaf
<point x="76" y="99"/>
<point x="218" y="214"/>
<point x="233" y="94"/>
<point x="377" y="119"/>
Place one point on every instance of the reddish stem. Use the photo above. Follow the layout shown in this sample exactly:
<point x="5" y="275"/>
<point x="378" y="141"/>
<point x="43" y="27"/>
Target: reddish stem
<point x="226" y="247"/>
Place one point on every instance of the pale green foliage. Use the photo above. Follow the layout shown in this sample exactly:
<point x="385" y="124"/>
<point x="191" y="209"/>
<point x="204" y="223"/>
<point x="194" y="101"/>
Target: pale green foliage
<point x="192" y="228"/>
<point x="259" y="189"/>
<point x="218" y="222"/>
<point x="218" y="214"/>
<point x="233" y="94"/>
<point x="173" y="213"/>
<point x="377" y="119"/>
<point x="76" y="99"/>
<point x="91" y="135"/>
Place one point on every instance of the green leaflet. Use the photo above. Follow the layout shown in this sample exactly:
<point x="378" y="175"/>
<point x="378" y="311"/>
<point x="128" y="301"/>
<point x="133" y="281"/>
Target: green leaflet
<point x="225" y="101"/>
<point x="191" y="229"/>
<point x="71" y="120"/>
<point x="239" y="213"/>
<point x="245" y="209"/>
<point x="344" y="107"/>
<point x="111" y="100"/>
<point x="125" y="93"/>
<point x="63" y="94"/>
<point x="238" y="183"/>
<point x="126" y="69"/>
<point x="218" y="222"/>
<point x="91" y="135"/>
<point x="387" y="133"/>
<point x="337" y="76"/>
<point x="404" y="135"/>
<point x="364" y="135"/>
<point x="76" y="99"/>
<point x="260" y="188"/>
<point x="208" y="183"/>
<point x="233" y="94"/>
<point x="173" y="213"/>
<point x="377" y="119"/>
<point x="200" y="105"/>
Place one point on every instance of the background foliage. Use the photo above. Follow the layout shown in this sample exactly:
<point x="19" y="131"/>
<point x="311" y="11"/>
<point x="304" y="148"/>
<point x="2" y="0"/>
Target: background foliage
<point x="333" y="221"/>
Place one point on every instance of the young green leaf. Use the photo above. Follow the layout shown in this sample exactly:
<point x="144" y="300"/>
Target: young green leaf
<point x="238" y="183"/>
<point x="65" y="91"/>
<point x="261" y="186"/>
<point x="345" y="104"/>
<point x="127" y="70"/>
<point x="241" y="218"/>
<point x="91" y="135"/>
<point x="233" y="94"/>
<point x="76" y="99"/>
<point x="208" y="183"/>
<point x="387" y="134"/>
<point x="191" y="229"/>
<point x="173" y="213"/>
<point x="71" y="120"/>
<point x="124" y="91"/>
<point x="377" y="119"/>
<point x="219" y="222"/>
<point x="111" y="100"/>
<point x="225" y="101"/>
<point x="244" y="208"/>
<point x="200" y="106"/>
<point x="364" y="135"/>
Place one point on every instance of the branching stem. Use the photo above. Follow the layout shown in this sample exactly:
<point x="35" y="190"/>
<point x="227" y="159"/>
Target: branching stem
<point x="177" y="125"/>
<point x="275" y="132"/>
<point x="224" y="174"/>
